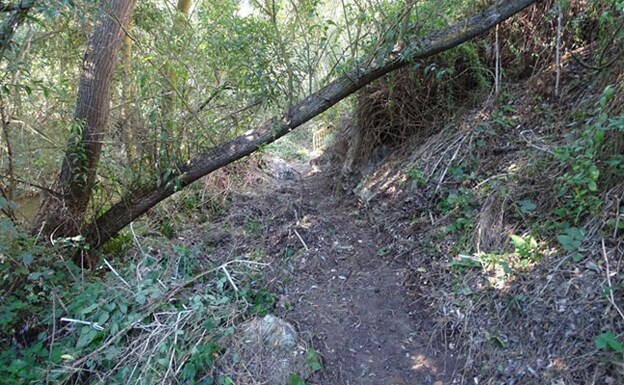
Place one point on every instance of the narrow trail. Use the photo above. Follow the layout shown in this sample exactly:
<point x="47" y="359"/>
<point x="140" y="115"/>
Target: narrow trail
<point x="347" y="298"/>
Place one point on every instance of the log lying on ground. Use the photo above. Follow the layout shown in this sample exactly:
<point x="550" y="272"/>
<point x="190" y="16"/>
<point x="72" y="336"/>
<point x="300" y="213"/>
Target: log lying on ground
<point x="136" y="203"/>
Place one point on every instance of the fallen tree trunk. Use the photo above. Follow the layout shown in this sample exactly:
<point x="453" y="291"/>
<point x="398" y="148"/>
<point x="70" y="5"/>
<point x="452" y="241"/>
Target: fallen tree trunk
<point x="140" y="201"/>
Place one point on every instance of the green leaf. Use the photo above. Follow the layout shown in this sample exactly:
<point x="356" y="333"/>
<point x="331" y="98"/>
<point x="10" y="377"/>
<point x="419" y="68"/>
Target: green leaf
<point x="608" y="93"/>
<point x="571" y="239"/>
<point x="609" y="340"/>
<point x="312" y="360"/>
<point x="517" y="241"/>
<point x="34" y="276"/>
<point x="294" y="379"/>
<point x="27" y="259"/>
<point x="104" y="316"/>
<point x="577" y="257"/>
<point x="527" y="206"/>
<point x="616" y="345"/>
<point x="89" y="309"/>
<point x="87" y="335"/>
<point x="140" y="298"/>
<point x="209" y="325"/>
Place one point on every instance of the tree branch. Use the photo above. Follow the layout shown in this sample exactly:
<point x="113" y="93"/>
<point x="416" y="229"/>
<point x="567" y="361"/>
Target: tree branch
<point x="140" y="201"/>
<point x="21" y="6"/>
<point x="11" y="24"/>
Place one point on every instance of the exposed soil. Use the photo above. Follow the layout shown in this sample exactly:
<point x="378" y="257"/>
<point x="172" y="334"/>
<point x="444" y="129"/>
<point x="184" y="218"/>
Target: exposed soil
<point x="338" y="286"/>
<point x="420" y="283"/>
<point x="351" y="300"/>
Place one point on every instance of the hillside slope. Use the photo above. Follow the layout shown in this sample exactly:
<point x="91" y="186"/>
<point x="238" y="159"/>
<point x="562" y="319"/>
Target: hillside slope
<point x="509" y="219"/>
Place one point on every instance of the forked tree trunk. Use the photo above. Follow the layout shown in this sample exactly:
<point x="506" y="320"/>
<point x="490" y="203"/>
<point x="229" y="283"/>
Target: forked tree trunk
<point x="63" y="215"/>
<point x="136" y="203"/>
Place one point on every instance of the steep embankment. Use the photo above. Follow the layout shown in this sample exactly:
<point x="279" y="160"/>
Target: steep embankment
<point x="508" y="221"/>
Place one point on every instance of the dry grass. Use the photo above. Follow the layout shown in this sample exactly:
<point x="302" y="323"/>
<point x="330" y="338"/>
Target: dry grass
<point x="409" y="104"/>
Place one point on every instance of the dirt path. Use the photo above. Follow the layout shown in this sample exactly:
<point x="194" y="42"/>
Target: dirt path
<point x="348" y="300"/>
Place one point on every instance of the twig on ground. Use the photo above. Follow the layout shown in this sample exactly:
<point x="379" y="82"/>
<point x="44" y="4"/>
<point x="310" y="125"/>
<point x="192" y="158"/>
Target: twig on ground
<point x="184" y="361"/>
<point x="435" y="167"/>
<point x="172" y="350"/>
<point x="301" y="239"/>
<point x="534" y="145"/>
<point x="617" y="217"/>
<point x="489" y="179"/>
<point x="94" y="325"/>
<point x="229" y="277"/>
<point x="610" y="288"/>
<point x="450" y="163"/>
<point x="150" y="307"/>
<point x="116" y="273"/>
<point x="136" y="239"/>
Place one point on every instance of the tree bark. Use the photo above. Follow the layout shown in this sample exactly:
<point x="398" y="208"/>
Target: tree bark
<point x="64" y="216"/>
<point x="140" y="201"/>
<point x="127" y="121"/>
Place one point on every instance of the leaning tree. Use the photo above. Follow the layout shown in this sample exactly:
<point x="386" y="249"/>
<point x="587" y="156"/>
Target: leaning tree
<point x="64" y="212"/>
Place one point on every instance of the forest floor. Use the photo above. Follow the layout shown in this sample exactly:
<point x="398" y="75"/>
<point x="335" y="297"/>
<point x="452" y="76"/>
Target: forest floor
<point x="349" y="296"/>
<point x="450" y="262"/>
<point x="336" y="285"/>
<point x="386" y="295"/>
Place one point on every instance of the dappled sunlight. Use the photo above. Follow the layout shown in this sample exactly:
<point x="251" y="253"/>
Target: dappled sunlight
<point x="423" y="195"/>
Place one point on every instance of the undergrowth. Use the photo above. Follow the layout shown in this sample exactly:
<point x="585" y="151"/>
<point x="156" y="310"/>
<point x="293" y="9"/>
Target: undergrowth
<point x="407" y="104"/>
<point x="566" y="215"/>
<point x="154" y="318"/>
<point x="510" y="220"/>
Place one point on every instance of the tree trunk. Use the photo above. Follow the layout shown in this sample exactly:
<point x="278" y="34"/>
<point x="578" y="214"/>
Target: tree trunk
<point x="128" y="94"/>
<point x="141" y="200"/>
<point x="63" y="215"/>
